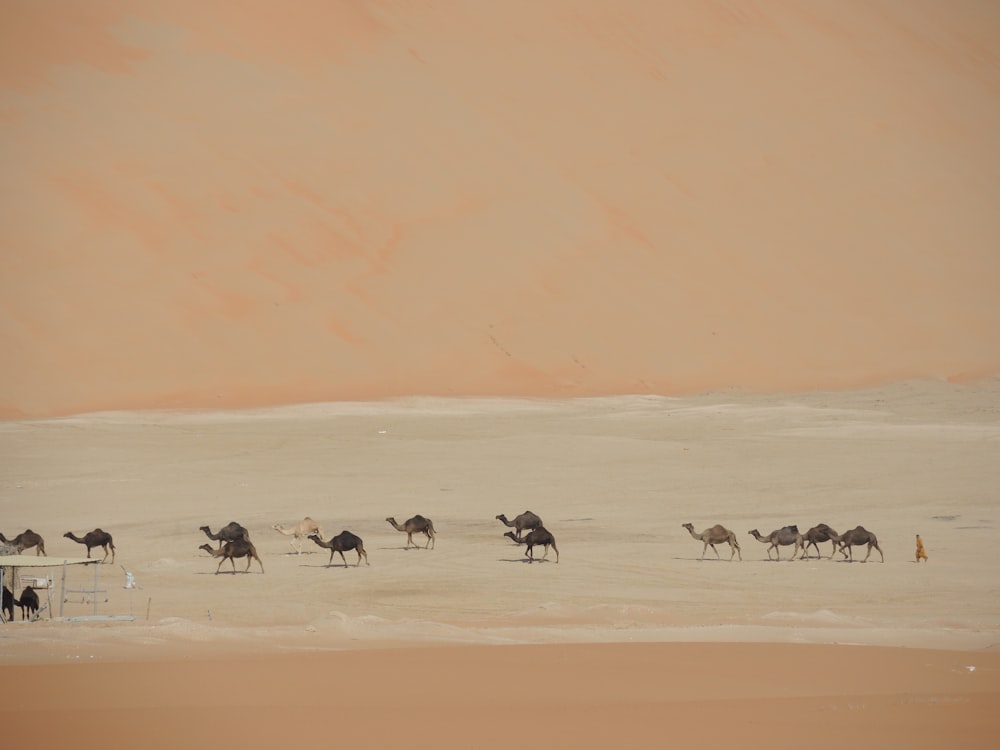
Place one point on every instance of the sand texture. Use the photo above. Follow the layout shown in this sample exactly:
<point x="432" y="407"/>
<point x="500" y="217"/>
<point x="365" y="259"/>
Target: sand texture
<point x="626" y="610"/>
<point x="221" y="206"/>
<point x="625" y="264"/>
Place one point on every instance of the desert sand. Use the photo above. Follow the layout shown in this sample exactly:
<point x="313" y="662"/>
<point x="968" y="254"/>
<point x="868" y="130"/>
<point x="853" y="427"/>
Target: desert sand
<point x="629" y="628"/>
<point x="625" y="264"/>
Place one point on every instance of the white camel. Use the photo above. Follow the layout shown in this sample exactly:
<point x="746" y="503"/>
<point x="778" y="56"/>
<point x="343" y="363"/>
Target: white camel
<point x="302" y="530"/>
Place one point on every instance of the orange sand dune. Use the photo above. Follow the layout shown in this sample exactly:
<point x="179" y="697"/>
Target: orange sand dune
<point x="234" y="205"/>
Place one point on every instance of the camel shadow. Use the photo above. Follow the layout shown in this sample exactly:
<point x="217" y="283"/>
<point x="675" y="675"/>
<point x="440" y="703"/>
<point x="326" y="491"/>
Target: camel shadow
<point x="226" y="572"/>
<point x="523" y="560"/>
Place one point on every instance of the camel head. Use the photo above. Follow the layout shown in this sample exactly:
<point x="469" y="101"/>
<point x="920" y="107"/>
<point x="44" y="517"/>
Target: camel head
<point x="688" y="526"/>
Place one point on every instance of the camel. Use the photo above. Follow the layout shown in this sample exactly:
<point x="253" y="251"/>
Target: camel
<point x="780" y="538"/>
<point x="26" y="540"/>
<point x="416" y="525"/>
<point x="524" y="522"/>
<point x="231" y="532"/>
<point x="232" y="550"/>
<point x="28" y="603"/>
<point x="343" y="542"/>
<point x="304" y="528"/>
<point x="715" y="535"/>
<point x="8" y="603"/>
<point x="95" y="538"/>
<point x="856" y="537"/>
<point x="536" y="537"/>
<point x="819" y="533"/>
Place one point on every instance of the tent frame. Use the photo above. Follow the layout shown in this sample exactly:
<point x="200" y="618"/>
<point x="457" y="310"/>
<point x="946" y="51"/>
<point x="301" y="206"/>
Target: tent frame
<point x="16" y="562"/>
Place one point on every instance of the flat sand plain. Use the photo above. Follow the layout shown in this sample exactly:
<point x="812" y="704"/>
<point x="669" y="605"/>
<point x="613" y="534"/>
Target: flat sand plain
<point x="629" y="637"/>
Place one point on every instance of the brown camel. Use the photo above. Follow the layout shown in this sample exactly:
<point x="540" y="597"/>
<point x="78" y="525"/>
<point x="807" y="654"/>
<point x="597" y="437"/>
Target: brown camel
<point x="26" y="540"/>
<point x="232" y="550"/>
<point x="416" y="525"/>
<point x="856" y="537"/>
<point x="536" y="538"/>
<point x="8" y="603"/>
<point x="715" y="535"/>
<point x="780" y="538"/>
<point x="343" y="542"/>
<point x="95" y="538"/>
<point x="819" y="533"/>
<point x="524" y="522"/>
<point x="304" y="528"/>
<point x="28" y="603"/>
<point x="231" y="532"/>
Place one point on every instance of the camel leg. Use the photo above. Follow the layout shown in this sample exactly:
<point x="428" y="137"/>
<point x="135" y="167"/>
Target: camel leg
<point x="880" y="552"/>
<point x="361" y="551"/>
<point x="557" y="551"/>
<point x="330" y="561"/>
<point x="342" y="557"/>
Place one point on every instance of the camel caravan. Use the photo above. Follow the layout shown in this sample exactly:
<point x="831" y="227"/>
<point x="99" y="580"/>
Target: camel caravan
<point x="527" y="530"/>
<point x="790" y="536"/>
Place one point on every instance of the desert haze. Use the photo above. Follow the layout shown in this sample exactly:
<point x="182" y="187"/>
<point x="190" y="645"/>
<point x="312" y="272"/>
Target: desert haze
<point x="628" y="265"/>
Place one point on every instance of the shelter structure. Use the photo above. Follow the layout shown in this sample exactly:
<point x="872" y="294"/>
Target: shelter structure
<point x="17" y="571"/>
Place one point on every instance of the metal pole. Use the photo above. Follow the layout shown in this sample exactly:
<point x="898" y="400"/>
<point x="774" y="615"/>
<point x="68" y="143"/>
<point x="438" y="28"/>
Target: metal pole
<point x="62" y="599"/>
<point x="95" y="591"/>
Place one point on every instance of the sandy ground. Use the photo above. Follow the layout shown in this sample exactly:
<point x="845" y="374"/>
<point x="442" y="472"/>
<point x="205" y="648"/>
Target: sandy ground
<point x="630" y="628"/>
<point x="505" y="256"/>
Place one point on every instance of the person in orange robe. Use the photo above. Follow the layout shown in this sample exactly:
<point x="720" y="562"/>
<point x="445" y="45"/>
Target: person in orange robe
<point x="921" y="553"/>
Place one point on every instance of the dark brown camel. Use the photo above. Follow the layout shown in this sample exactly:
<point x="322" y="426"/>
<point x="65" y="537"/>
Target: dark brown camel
<point x="779" y="538"/>
<point x="540" y="537"/>
<point x="818" y="533"/>
<point x="26" y="540"/>
<point x="857" y="537"/>
<point x="231" y="532"/>
<point x="8" y="603"/>
<point x="232" y="550"/>
<point x="343" y="542"/>
<point x="524" y="522"/>
<point x="95" y="538"/>
<point x="715" y="535"/>
<point x="28" y="603"/>
<point x="416" y="525"/>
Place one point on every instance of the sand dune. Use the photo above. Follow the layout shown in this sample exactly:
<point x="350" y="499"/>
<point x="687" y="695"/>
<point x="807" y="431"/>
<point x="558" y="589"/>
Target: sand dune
<point x="222" y="207"/>
<point x="745" y="253"/>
